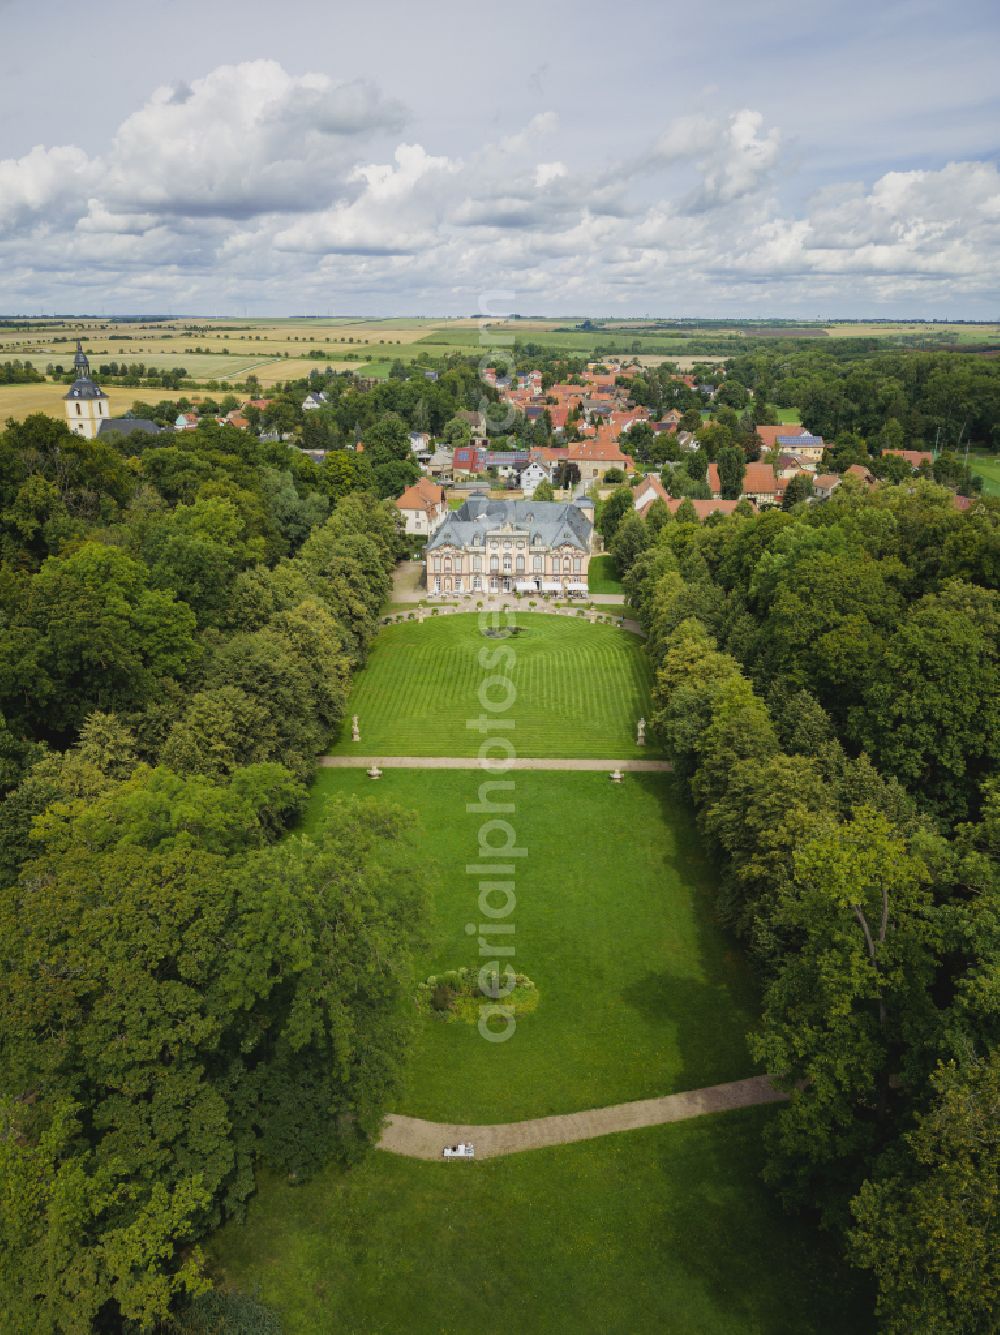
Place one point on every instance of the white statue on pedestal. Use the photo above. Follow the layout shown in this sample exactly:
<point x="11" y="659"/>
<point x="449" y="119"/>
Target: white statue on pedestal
<point x="355" y="730"/>
<point x="640" y="734"/>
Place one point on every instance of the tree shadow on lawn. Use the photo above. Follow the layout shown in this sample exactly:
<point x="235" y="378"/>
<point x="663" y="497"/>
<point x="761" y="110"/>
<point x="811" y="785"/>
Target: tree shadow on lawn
<point x="752" y="1258"/>
<point x="710" y="1014"/>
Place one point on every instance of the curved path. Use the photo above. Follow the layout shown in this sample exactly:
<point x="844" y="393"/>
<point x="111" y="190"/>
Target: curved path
<point x="417" y="1139"/>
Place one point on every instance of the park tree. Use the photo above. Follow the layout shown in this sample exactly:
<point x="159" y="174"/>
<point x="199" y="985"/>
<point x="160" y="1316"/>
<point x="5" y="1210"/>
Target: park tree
<point x="456" y="432"/>
<point x="932" y="710"/>
<point x="91" y="634"/>
<point x="926" y="1225"/>
<point x="630" y="540"/>
<point x="544" y="491"/>
<point x="713" y="437"/>
<point x="221" y="730"/>
<point x="855" y="919"/>
<point x="387" y="440"/>
<point x="732" y="470"/>
<point x="798" y="488"/>
<point x="696" y="465"/>
<point x="216" y="1009"/>
<point x="613" y="511"/>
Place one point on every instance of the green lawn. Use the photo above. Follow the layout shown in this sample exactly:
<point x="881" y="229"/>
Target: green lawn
<point x="790" y="415"/>
<point x="640" y="993"/>
<point x="668" y="1231"/>
<point x="580" y="688"/>
<point x="987" y="466"/>
<point x="604" y="575"/>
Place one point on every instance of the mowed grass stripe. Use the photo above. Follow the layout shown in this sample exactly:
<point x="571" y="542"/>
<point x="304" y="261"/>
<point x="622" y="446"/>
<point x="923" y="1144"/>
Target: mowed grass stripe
<point x="580" y="688"/>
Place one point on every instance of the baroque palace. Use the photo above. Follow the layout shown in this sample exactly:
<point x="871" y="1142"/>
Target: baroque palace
<point x="502" y="546"/>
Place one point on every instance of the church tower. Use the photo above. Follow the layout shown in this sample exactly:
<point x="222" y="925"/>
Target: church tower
<point x="86" y="403"/>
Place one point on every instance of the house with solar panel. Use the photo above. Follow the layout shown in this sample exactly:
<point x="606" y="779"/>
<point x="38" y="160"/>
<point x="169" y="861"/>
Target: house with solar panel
<point x="500" y="546"/>
<point x="807" y="448"/>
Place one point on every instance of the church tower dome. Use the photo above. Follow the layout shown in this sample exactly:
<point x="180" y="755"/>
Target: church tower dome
<point x="86" y="403"/>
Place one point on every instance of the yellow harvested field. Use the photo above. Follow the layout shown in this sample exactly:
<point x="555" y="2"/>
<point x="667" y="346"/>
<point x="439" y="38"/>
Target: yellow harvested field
<point x="294" y="368"/>
<point x="18" y="401"/>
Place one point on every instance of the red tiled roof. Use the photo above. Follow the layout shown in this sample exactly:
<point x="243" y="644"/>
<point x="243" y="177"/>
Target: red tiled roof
<point x="760" y="479"/>
<point x="423" y="495"/>
<point x="859" y="470"/>
<point x="704" y="508"/>
<point x="913" y="457"/>
<point x="650" y="484"/>
<point x="769" y="434"/>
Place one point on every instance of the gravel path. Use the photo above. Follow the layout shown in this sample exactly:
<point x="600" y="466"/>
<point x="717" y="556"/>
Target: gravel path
<point x="471" y="762"/>
<point x="416" y="1139"/>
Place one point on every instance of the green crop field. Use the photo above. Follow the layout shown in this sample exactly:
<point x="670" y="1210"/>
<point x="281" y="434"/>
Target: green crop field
<point x="987" y="466"/>
<point x="640" y="993"/>
<point x="603" y="575"/>
<point x="580" y="688"/>
<point x="667" y="1231"/>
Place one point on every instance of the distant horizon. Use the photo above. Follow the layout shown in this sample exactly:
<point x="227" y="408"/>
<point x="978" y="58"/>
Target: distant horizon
<point x="359" y="316"/>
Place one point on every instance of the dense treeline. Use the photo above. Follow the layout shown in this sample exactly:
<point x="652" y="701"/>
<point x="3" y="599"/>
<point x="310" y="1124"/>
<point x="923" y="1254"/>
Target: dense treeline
<point x="183" y="995"/>
<point x="828" y="687"/>
<point x="922" y="400"/>
<point x="17" y="372"/>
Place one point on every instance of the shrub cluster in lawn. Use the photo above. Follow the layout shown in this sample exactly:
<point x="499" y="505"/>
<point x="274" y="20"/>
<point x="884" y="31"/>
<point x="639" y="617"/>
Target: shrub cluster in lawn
<point x="457" y="995"/>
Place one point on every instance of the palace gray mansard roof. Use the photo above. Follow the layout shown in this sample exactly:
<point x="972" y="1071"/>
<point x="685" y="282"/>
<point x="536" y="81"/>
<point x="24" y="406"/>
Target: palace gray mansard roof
<point x="548" y="523"/>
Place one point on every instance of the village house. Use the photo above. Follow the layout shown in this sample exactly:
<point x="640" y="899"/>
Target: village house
<point x="761" y="485"/>
<point x="790" y="464"/>
<point x="649" y="490"/>
<point x="824" y="485"/>
<point x="439" y="464"/>
<point x="861" y="473"/>
<point x="531" y="476"/>
<point x="423" y="507"/>
<point x="805" y="447"/>
<point x="595" y="457"/>
<point x="789" y="431"/>
<point x="915" y="458"/>
<point x="511" y="546"/>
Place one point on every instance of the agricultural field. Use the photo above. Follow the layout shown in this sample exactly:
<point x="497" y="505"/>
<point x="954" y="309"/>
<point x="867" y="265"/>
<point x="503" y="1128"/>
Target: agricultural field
<point x="18" y="401"/>
<point x="943" y="333"/>
<point x="580" y="688"/>
<point x="987" y="466"/>
<point x="639" y="992"/>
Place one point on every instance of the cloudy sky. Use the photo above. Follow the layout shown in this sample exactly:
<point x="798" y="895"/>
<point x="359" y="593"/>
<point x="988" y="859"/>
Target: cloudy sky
<point x="761" y="158"/>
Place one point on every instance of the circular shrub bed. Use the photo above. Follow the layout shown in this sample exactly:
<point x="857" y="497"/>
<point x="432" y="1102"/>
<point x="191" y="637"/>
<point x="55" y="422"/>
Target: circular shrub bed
<point x="503" y="633"/>
<point x="457" y="995"/>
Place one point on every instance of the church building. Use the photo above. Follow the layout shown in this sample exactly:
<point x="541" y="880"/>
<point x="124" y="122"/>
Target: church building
<point x="88" y="408"/>
<point x="87" y="404"/>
